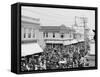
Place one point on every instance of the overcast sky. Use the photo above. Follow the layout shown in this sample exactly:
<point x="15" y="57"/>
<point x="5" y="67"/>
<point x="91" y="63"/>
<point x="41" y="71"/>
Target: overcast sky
<point x="56" y="17"/>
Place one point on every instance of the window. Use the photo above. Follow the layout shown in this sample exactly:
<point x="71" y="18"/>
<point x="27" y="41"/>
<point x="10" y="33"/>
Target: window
<point x="53" y="35"/>
<point x="29" y="33"/>
<point x="24" y="35"/>
<point x="24" y="32"/>
<point x="46" y="34"/>
<point x="80" y="36"/>
<point x="74" y="36"/>
<point x="70" y="35"/>
<point x="33" y="33"/>
<point x="62" y="35"/>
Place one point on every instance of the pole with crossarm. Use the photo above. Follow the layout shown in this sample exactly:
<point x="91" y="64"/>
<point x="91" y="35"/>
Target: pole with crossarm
<point x="84" y="21"/>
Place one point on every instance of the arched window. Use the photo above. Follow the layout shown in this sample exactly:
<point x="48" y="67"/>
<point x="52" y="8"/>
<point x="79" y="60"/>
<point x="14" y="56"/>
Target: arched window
<point x="62" y="35"/>
<point x="46" y="34"/>
<point x="53" y="35"/>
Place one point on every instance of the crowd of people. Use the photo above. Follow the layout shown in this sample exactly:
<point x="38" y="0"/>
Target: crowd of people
<point x="57" y="57"/>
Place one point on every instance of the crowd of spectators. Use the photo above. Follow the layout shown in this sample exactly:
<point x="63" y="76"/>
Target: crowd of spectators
<point x="57" y="57"/>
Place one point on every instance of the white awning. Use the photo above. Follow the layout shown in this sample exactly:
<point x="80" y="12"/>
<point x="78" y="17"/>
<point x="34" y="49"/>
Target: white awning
<point x="31" y="48"/>
<point x="55" y="42"/>
<point x="67" y="42"/>
<point x="74" y="41"/>
<point x="80" y="40"/>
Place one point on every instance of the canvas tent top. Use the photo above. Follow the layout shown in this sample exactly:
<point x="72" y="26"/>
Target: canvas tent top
<point x="30" y="48"/>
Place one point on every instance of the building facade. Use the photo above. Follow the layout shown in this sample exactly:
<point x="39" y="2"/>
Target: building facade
<point x="32" y="31"/>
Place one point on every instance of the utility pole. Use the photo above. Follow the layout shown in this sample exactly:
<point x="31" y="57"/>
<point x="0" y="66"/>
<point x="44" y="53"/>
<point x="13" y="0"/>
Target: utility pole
<point x="85" y="35"/>
<point x="84" y="21"/>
